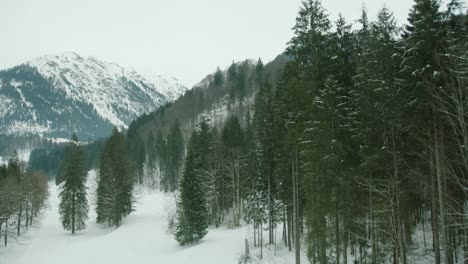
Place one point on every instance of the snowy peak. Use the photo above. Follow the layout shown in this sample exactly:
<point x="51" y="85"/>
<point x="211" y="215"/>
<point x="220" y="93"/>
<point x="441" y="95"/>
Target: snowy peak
<point x="93" y="89"/>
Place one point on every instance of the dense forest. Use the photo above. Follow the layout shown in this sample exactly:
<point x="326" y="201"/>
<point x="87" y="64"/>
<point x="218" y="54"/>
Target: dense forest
<point x="353" y="143"/>
<point x="358" y="141"/>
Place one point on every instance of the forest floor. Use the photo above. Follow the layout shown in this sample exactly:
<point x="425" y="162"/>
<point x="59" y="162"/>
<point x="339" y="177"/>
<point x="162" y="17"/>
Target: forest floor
<point x="143" y="237"/>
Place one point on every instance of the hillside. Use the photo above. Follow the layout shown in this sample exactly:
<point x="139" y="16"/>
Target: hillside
<point x="207" y="99"/>
<point x="55" y="95"/>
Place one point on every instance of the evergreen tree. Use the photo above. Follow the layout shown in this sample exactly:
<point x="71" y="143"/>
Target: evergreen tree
<point x="232" y="78"/>
<point x="162" y="160"/>
<point x="73" y="206"/>
<point x="151" y="152"/>
<point x="424" y="40"/>
<point x="310" y="44"/>
<point x="175" y="154"/>
<point x="232" y="134"/>
<point x="259" y="71"/>
<point x="242" y="80"/>
<point x="115" y="184"/>
<point x="192" y="210"/>
<point x="218" y="78"/>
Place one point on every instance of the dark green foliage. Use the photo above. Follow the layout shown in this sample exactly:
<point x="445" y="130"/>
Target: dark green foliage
<point x="356" y="139"/>
<point x="160" y="146"/>
<point x="353" y="116"/>
<point x="310" y="45"/>
<point x="47" y="160"/>
<point x="115" y="182"/>
<point x="218" y="78"/>
<point x="175" y="155"/>
<point x="259" y="71"/>
<point x="136" y="148"/>
<point x="192" y="210"/>
<point x="232" y="72"/>
<point x="232" y="134"/>
<point x="49" y="157"/>
<point x="73" y="206"/>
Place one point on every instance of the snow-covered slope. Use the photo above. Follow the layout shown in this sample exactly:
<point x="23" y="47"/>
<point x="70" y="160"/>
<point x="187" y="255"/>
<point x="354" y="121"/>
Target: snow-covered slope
<point x="59" y="94"/>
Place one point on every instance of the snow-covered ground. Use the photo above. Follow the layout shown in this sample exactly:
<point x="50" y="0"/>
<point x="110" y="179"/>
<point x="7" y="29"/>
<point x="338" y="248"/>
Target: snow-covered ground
<point x="142" y="238"/>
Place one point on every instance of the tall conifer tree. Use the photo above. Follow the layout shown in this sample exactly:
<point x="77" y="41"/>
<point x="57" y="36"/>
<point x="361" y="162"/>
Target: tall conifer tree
<point x="115" y="183"/>
<point x="73" y="206"/>
<point x="192" y="211"/>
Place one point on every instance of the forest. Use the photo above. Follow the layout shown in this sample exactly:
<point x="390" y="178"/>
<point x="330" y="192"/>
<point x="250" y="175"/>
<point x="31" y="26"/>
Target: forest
<point x="358" y="142"/>
<point x="353" y="143"/>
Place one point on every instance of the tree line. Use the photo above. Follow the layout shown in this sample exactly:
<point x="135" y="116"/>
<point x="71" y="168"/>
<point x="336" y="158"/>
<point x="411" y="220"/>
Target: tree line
<point x="363" y="136"/>
<point x="359" y="144"/>
<point x="23" y="193"/>
<point x="115" y="180"/>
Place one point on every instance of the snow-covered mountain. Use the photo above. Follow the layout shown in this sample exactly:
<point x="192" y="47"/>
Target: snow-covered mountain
<point x="55" y="95"/>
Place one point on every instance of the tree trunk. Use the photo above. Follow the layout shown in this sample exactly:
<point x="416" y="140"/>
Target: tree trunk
<point x="397" y="193"/>
<point x="269" y="211"/>
<point x="464" y="237"/>
<point x="289" y="233"/>
<point x="345" y="244"/>
<point x="261" y="241"/>
<point x="439" y="172"/>
<point x="434" y="212"/>
<point x="31" y="215"/>
<point x="6" y="232"/>
<point x="27" y="214"/>
<point x="255" y="234"/>
<point x="296" y="211"/>
<point x="284" y="228"/>
<point x="239" y="201"/>
<point x="371" y="223"/>
<point x="73" y="212"/>
<point x="234" y="200"/>
<point x="337" y="234"/>
<point x="423" y="223"/>
<point x="247" y="251"/>
<point x="19" y="220"/>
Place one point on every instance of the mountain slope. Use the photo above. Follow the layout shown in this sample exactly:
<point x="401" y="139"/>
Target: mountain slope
<point x="58" y="94"/>
<point x="210" y="101"/>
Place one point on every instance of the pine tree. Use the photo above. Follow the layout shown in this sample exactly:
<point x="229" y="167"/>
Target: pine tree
<point x="232" y="133"/>
<point x="232" y="78"/>
<point x="218" y="78"/>
<point x="162" y="160"/>
<point x="115" y="184"/>
<point x="310" y="44"/>
<point x="175" y="154"/>
<point x="73" y="206"/>
<point x="242" y="80"/>
<point x="259" y="72"/>
<point x="232" y="138"/>
<point x="192" y="211"/>
<point x="424" y="40"/>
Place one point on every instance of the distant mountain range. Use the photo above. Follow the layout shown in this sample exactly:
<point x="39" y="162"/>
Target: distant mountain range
<point x="56" y="95"/>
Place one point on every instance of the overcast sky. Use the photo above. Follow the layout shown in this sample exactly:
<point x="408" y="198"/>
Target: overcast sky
<point x="184" y="38"/>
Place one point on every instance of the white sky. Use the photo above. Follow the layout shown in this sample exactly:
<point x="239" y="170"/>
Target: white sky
<point x="184" y="38"/>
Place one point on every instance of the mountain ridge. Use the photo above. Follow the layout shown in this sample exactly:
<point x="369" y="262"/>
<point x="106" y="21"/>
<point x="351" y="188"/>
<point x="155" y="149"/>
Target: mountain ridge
<point x="56" y="95"/>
